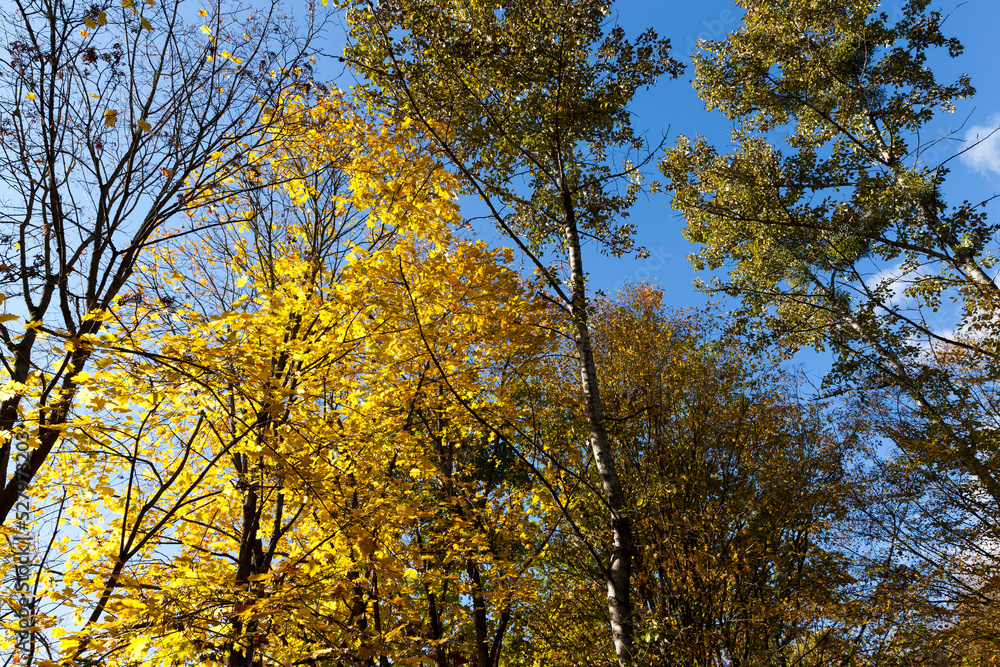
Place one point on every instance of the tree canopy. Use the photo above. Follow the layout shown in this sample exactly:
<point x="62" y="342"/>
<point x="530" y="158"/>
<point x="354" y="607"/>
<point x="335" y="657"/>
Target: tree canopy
<point x="277" y="395"/>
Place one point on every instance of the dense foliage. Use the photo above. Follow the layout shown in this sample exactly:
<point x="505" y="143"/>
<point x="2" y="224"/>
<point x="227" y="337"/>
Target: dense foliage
<point x="270" y="401"/>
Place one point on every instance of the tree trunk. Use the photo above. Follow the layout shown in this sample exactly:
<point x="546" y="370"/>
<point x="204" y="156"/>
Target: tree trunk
<point x="618" y="573"/>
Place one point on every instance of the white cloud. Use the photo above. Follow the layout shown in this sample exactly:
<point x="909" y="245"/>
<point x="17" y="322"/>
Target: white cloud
<point x="984" y="156"/>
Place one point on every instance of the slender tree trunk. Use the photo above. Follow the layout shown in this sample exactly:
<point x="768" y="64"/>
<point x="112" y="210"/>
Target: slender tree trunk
<point x="618" y="573"/>
<point x="248" y="560"/>
<point x="479" y="617"/>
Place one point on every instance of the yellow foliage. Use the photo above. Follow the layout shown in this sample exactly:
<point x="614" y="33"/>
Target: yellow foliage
<point x="245" y="480"/>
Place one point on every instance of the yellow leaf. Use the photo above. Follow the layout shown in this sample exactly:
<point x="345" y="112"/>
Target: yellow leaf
<point x="102" y="19"/>
<point x="90" y="23"/>
<point x="205" y="29"/>
<point x="97" y="316"/>
<point x="127" y="4"/>
<point x="111" y="117"/>
<point x="7" y="317"/>
<point x="146" y="24"/>
<point x="202" y="12"/>
<point x="84" y="33"/>
<point x="137" y="648"/>
<point x="145" y="126"/>
<point x="31" y="96"/>
<point x="410" y="573"/>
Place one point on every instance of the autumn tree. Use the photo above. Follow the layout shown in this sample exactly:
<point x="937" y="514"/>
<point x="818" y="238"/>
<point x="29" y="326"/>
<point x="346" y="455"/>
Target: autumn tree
<point x="736" y="487"/>
<point x="843" y="238"/>
<point x="279" y="467"/>
<point x="529" y="103"/>
<point x="117" y="116"/>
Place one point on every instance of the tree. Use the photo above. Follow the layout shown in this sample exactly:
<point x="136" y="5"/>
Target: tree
<point x="846" y="239"/>
<point x="737" y="488"/>
<point x="117" y="117"/>
<point x="928" y="536"/>
<point x="529" y="103"/>
<point x="275" y="470"/>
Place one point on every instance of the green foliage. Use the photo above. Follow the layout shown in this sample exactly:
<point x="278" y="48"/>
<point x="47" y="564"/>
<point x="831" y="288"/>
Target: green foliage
<point x="805" y="235"/>
<point x="848" y="92"/>
<point x="521" y="94"/>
